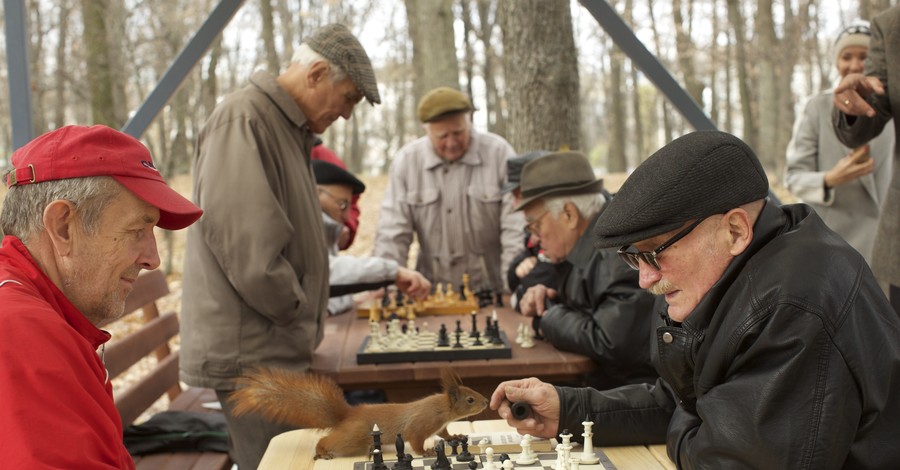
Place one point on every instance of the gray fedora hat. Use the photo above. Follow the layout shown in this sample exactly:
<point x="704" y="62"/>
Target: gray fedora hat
<point x="557" y="174"/>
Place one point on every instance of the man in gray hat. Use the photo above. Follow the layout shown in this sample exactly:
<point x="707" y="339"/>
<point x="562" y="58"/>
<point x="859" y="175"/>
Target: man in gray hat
<point x="445" y="188"/>
<point x="256" y="267"/>
<point x="598" y="309"/>
<point x="776" y="349"/>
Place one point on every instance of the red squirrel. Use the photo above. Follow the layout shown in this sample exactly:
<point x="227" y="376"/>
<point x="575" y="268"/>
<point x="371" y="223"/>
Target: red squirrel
<point x="314" y="401"/>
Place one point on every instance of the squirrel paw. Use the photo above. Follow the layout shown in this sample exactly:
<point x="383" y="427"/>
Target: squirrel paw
<point x="429" y="453"/>
<point x="323" y="454"/>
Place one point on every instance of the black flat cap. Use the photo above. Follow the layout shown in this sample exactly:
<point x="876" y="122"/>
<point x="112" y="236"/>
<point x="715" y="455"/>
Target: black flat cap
<point x="329" y="173"/>
<point x="696" y="175"/>
<point x="557" y="174"/>
<point x="337" y="44"/>
<point x="514" y="167"/>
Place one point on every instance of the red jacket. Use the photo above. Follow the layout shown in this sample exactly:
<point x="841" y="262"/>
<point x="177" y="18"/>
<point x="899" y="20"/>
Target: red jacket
<point x="56" y="405"/>
<point x="321" y="152"/>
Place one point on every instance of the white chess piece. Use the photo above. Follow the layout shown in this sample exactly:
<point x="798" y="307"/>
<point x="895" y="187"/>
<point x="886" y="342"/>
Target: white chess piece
<point x="587" y="455"/>
<point x="527" y="457"/>
<point x="508" y="464"/>
<point x="566" y="445"/>
<point x="561" y="462"/>
<point x="520" y="333"/>
<point x="574" y="464"/>
<point x="527" y="338"/>
<point x="489" y="459"/>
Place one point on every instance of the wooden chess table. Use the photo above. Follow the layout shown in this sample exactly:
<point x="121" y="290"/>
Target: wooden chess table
<point x="336" y="357"/>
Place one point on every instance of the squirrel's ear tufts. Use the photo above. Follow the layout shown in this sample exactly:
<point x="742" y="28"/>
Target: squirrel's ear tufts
<point x="448" y="377"/>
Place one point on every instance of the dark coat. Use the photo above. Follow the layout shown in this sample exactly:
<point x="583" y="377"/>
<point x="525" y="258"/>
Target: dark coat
<point x="791" y="360"/>
<point x="602" y="313"/>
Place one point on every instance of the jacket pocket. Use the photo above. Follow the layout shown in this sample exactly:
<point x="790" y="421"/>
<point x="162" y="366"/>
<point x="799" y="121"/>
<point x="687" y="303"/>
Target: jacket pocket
<point x="484" y="217"/>
<point x="424" y="204"/>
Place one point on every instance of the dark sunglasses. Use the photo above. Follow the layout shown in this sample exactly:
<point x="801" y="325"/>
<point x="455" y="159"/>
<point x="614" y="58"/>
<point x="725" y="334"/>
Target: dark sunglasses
<point x="632" y="258"/>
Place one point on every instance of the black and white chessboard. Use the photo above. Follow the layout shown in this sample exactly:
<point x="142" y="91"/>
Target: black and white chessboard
<point x="546" y="460"/>
<point x="424" y="347"/>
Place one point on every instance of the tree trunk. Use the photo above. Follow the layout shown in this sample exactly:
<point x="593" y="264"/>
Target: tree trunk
<point x="468" y="32"/>
<point x="62" y="55"/>
<point x="664" y="105"/>
<point x="769" y="107"/>
<point x="735" y="17"/>
<point x="101" y="81"/>
<point x="541" y="70"/>
<point x="495" y="111"/>
<point x="268" y="36"/>
<point x="638" y="133"/>
<point x="36" y="67"/>
<point x="686" y="50"/>
<point x="434" y="47"/>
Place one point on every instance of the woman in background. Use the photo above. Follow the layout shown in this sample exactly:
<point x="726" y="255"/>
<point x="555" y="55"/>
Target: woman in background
<point x="847" y="187"/>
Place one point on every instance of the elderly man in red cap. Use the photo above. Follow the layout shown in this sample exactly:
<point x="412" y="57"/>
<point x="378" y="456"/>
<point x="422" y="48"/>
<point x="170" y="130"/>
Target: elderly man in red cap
<point x="776" y="348"/>
<point x="78" y="222"/>
<point x="256" y="266"/>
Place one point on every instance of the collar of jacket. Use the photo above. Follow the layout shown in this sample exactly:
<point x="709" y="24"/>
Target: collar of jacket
<point x="267" y="84"/>
<point x="772" y="221"/>
<point x="15" y="260"/>
<point x="583" y="251"/>
<point x="471" y="157"/>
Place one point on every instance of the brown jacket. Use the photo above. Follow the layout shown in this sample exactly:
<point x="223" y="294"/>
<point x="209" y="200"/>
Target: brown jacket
<point x="256" y="264"/>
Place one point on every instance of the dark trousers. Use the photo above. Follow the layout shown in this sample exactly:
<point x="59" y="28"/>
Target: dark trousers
<point x="894" y="295"/>
<point x="248" y="435"/>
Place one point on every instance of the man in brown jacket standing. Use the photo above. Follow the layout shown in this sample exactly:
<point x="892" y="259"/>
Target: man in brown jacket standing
<point x="256" y="266"/>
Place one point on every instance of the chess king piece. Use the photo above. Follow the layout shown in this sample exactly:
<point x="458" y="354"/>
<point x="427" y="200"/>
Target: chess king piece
<point x="587" y="454"/>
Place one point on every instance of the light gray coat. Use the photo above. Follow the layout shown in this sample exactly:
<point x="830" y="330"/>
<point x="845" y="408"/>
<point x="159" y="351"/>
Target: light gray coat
<point x="851" y="209"/>
<point x="883" y="63"/>
<point x="256" y="264"/>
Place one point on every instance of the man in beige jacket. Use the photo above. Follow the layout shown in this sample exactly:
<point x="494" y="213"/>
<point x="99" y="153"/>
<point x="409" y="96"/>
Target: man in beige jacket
<point x="445" y="188"/>
<point x="256" y="266"/>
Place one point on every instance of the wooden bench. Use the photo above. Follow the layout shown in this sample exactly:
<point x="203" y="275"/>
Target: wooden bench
<point x="153" y="337"/>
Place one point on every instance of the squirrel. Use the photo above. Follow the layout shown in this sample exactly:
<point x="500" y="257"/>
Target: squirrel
<point x="315" y="401"/>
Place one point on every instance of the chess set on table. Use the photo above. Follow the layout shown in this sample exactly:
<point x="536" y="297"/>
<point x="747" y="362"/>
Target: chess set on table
<point x="484" y="456"/>
<point x="409" y="343"/>
<point x="444" y="301"/>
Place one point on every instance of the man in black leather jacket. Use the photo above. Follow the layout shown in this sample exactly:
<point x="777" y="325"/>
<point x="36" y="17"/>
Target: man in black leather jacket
<point x="598" y="309"/>
<point x="776" y="348"/>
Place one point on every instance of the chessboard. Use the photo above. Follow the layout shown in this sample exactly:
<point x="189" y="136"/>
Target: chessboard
<point x="546" y="460"/>
<point x="423" y="347"/>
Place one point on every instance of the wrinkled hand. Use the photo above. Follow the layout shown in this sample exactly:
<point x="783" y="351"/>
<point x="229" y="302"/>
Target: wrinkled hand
<point x="544" y="401"/>
<point x="412" y="283"/>
<point x="526" y="266"/>
<point x="858" y="163"/>
<point x="853" y="90"/>
<point x="532" y="303"/>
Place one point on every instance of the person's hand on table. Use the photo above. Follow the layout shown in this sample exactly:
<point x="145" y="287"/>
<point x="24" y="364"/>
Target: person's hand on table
<point x="544" y="402"/>
<point x="852" y="92"/>
<point x="412" y="283"/>
<point x="533" y="302"/>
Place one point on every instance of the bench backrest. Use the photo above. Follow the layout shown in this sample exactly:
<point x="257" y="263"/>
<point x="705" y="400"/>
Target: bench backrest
<point x="152" y="337"/>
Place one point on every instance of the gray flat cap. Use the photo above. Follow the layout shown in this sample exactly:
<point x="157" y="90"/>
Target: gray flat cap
<point x="514" y="167"/>
<point x="337" y="44"/>
<point x="557" y="174"/>
<point x="696" y="175"/>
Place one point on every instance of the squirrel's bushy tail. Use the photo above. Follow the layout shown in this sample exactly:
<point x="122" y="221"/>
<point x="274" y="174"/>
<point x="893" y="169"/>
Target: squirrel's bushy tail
<point x="297" y="398"/>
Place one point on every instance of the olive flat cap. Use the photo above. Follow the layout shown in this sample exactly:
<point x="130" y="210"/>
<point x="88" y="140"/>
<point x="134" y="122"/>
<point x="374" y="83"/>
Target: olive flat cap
<point x="696" y="175"/>
<point x="557" y="174"/>
<point x="441" y="101"/>
<point x="329" y="173"/>
<point x="337" y="44"/>
<point x="514" y="167"/>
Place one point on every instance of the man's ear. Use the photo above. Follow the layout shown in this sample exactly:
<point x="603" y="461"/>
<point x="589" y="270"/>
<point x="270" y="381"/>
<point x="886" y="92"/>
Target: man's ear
<point x="740" y="230"/>
<point x="570" y="215"/>
<point x="315" y="73"/>
<point x="60" y="221"/>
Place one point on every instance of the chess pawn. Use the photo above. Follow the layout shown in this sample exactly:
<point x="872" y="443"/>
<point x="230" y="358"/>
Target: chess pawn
<point x="527" y="339"/>
<point x="527" y="456"/>
<point x="439" y="292"/>
<point x="489" y="459"/>
<point x="452" y="297"/>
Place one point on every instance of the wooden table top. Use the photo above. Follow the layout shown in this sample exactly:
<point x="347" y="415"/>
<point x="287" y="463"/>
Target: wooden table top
<point x="295" y="450"/>
<point x="336" y="357"/>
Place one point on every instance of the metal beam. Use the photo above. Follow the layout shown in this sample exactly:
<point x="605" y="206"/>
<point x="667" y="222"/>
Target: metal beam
<point x="17" y="68"/>
<point x="625" y="38"/>
<point x="181" y="67"/>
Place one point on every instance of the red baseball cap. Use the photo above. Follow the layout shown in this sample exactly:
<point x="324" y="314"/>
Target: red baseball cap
<point x="79" y="151"/>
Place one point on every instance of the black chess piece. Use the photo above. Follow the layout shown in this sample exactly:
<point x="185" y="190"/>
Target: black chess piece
<point x="441" y="462"/>
<point x="386" y="298"/>
<point x="495" y="333"/>
<point x="465" y="456"/>
<point x="504" y="457"/>
<point x="458" y="327"/>
<point x="376" y="438"/>
<point x="457" y="345"/>
<point x="474" y="324"/>
<point x="499" y="301"/>
<point x="400" y="446"/>
<point x="454" y="444"/>
<point x="378" y="460"/>
<point x="473" y="465"/>
<point x="462" y="292"/>
<point x="477" y="341"/>
<point x="443" y="339"/>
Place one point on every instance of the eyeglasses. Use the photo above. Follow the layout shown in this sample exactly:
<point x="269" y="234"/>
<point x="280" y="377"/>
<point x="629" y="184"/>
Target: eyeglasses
<point x="342" y="203"/>
<point x="633" y="259"/>
<point x="534" y="224"/>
